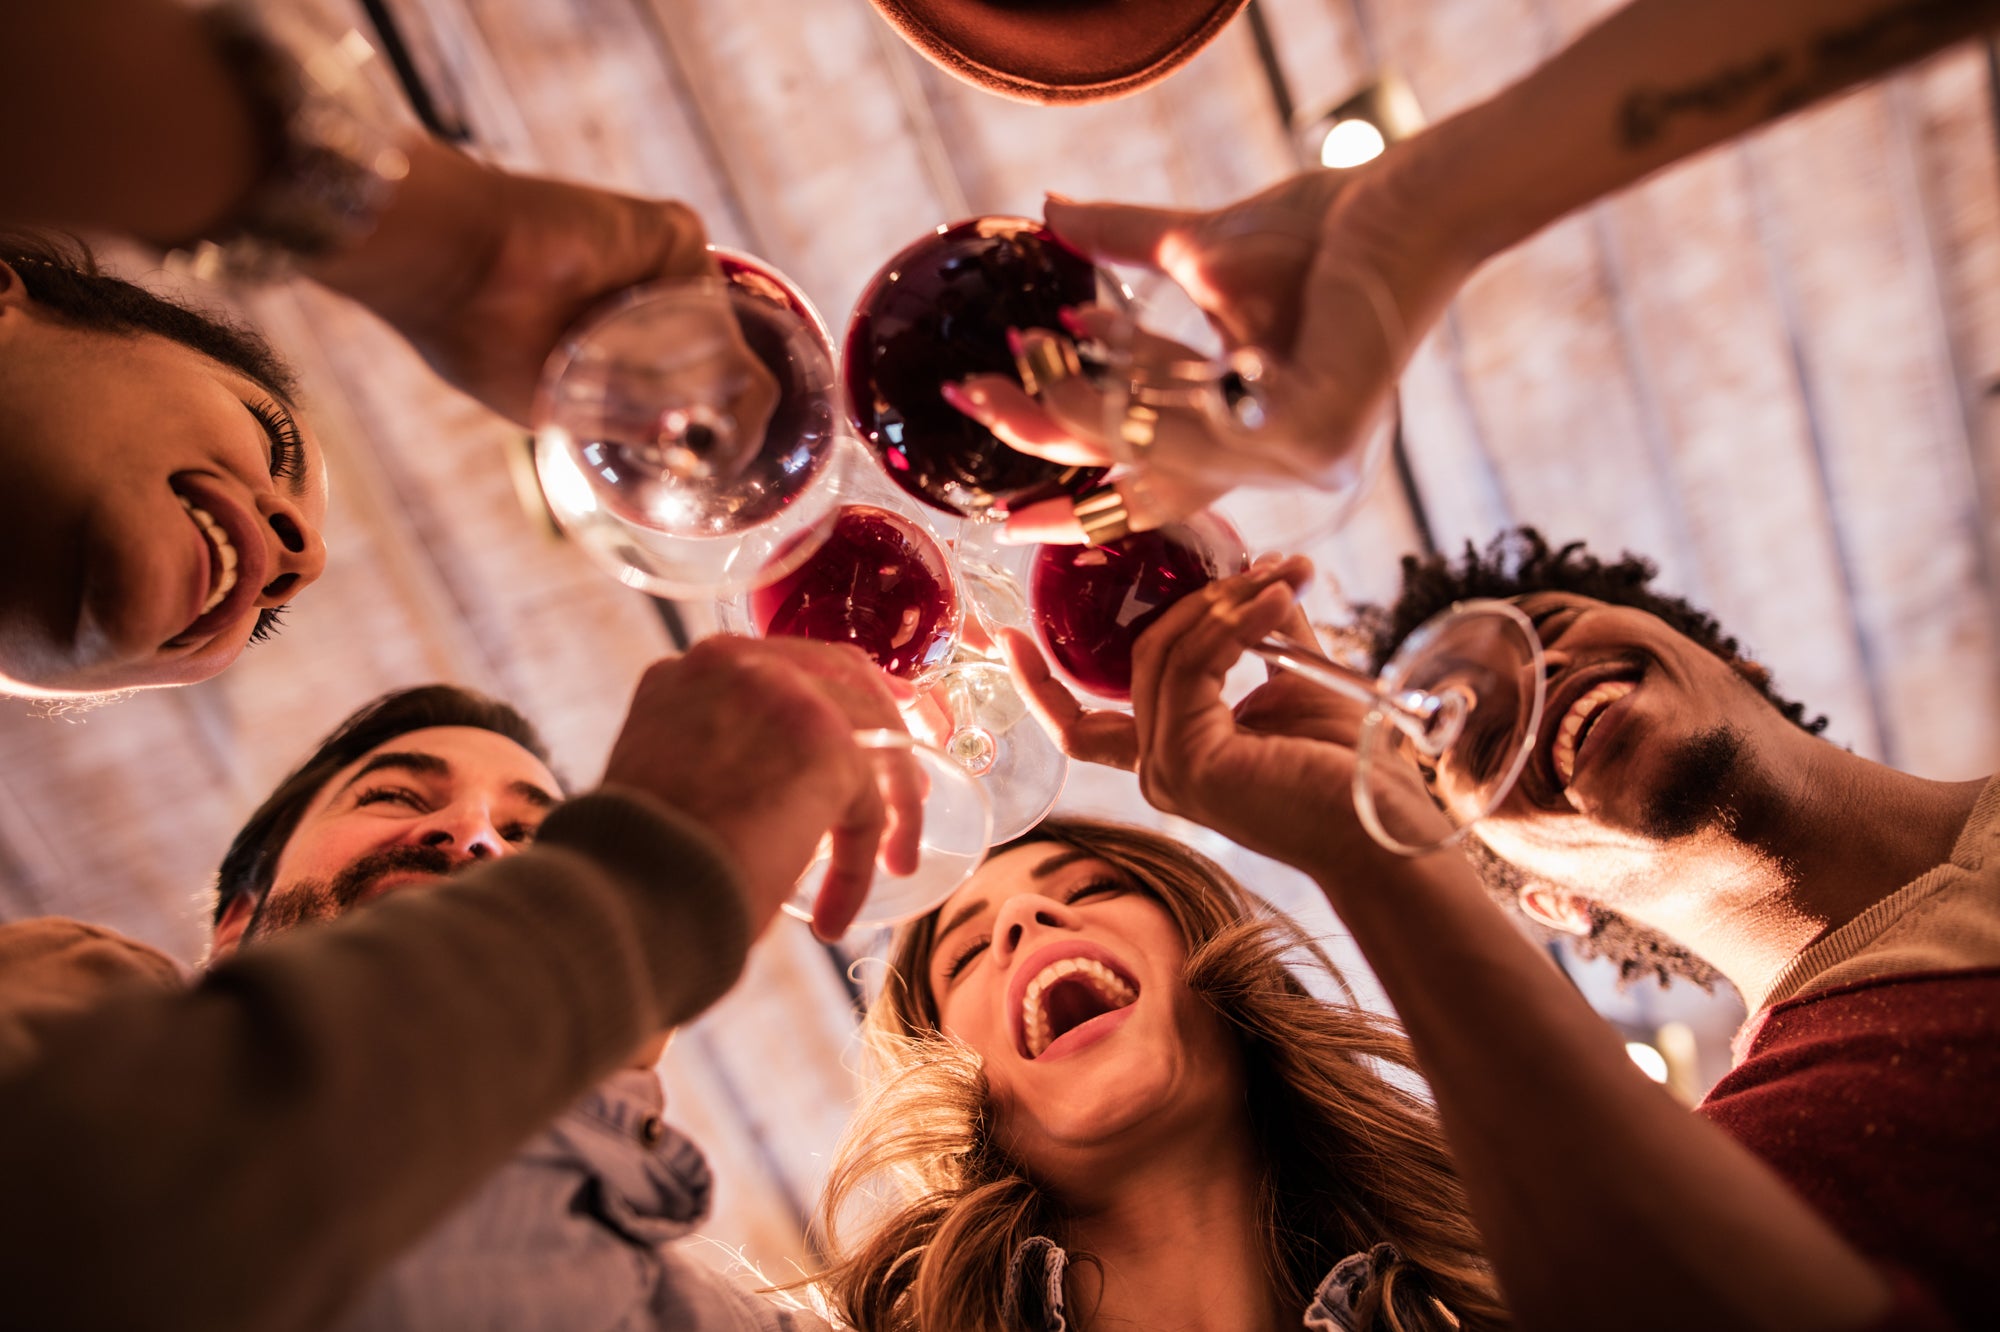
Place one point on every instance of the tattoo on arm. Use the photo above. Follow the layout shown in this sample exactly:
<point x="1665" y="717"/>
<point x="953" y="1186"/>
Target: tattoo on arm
<point x="1785" y="80"/>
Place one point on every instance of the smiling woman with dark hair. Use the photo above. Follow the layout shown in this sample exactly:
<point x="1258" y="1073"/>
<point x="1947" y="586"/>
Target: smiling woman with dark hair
<point x="159" y="498"/>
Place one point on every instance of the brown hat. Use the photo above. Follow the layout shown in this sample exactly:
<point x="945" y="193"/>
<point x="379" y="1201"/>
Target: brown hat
<point x="1059" y="50"/>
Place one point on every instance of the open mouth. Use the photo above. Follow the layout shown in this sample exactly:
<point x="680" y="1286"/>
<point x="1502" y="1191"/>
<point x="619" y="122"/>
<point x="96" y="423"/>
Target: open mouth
<point x="1585" y="704"/>
<point x="223" y="560"/>
<point x="1065" y="994"/>
<point x="237" y="560"/>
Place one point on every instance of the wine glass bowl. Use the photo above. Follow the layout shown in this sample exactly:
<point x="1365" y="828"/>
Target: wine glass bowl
<point x="878" y="581"/>
<point x="940" y="311"/>
<point x="1464" y="698"/>
<point x="1090" y="604"/>
<point x="686" y="432"/>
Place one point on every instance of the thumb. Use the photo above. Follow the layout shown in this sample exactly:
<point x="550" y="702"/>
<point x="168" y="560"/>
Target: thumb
<point x="1116" y="233"/>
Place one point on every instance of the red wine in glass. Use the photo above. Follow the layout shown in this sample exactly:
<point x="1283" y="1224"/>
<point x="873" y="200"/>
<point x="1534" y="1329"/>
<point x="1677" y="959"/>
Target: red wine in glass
<point x="611" y="406"/>
<point x="877" y="581"/>
<point x="1091" y="603"/>
<point x="936" y="313"/>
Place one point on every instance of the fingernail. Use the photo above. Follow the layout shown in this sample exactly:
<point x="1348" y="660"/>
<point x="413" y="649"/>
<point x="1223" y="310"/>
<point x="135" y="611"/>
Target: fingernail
<point x="1015" y="343"/>
<point x="1265" y="561"/>
<point x="1052" y="196"/>
<point x="1073" y="321"/>
<point x="971" y="401"/>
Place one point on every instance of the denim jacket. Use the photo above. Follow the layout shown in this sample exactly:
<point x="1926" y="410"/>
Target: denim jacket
<point x="576" y="1234"/>
<point x="1035" y="1288"/>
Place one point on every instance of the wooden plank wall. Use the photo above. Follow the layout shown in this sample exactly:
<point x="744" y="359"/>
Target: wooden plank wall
<point x="1772" y="369"/>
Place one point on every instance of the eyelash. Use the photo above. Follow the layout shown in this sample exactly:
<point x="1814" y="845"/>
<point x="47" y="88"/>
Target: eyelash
<point x="402" y="795"/>
<point x="973" y="949"/>
<point x="269" y="622"/>
<point x="287" y="445"/>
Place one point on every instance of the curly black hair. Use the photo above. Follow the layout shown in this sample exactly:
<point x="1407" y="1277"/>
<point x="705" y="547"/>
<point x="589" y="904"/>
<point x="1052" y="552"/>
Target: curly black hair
<point x="1515" y="564"/>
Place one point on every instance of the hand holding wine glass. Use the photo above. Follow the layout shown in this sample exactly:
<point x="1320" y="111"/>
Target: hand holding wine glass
<point x="1320" y="279"/>
<point x="757" y="741"/>
<point x="483" y="271"/>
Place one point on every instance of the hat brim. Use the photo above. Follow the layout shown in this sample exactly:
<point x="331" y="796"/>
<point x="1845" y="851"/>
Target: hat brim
<point x="1054" y="51"/>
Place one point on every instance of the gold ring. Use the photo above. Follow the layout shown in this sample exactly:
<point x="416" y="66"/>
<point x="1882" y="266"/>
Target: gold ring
<point x="1141" y="423"/>
<point x="1100" y="512"/>
<point x="1045" y="360"/>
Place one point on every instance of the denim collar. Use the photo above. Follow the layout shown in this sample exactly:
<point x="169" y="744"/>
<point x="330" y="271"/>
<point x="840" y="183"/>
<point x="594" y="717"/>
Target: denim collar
<point x="1035" y="1288"/>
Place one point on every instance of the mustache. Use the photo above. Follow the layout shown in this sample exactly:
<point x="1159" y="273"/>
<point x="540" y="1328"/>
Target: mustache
<point x="316" y="901"/>
<point x="348" y="886"/>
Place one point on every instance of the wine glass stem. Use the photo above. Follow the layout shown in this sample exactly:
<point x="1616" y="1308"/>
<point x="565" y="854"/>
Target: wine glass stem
<point x="1421" y="716"/>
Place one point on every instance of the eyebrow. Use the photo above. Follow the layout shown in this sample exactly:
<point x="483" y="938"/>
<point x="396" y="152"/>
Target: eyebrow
<point x="430" y="765"/>
<point x="1060" y="861"/>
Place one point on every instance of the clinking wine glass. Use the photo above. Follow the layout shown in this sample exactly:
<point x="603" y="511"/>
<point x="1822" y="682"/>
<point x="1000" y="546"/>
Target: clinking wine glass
<point x="882" y="582"/>
<point x="1458" y="708"/>
<point x="687" y="438"/>
<point x="939" y="311"/>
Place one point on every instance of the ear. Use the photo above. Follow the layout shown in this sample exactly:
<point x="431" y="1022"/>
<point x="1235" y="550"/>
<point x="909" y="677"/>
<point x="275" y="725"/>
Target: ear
<point x="229" y="930"/>
<point x="1557" y="909"/>
<point x="13" y="291"/>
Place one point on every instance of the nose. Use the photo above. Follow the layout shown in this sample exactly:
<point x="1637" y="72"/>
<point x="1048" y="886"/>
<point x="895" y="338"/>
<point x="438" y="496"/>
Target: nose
<point x="1025" y="917"/>
<point x="299" y="553"/>
<point x="466" y="832"/>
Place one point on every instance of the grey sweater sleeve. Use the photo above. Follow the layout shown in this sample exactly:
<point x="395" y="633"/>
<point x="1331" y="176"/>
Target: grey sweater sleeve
<point x="242" y="1154"/>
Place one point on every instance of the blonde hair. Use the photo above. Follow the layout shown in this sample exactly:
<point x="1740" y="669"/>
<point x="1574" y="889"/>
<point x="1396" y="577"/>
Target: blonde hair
<point x="1350" y="1159"/>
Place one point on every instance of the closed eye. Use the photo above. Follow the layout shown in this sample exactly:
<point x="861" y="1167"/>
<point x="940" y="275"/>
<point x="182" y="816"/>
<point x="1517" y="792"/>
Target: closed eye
<point x="288" y="448"/>
<point x="965" y="957"/>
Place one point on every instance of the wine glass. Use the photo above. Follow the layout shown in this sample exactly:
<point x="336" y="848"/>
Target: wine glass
<point x="1458" y="708"/>
<point x="687" y="438"/>
<point x="685" y="431"/>
<point x="940" y="310"/>
<point x="881" y="581"/>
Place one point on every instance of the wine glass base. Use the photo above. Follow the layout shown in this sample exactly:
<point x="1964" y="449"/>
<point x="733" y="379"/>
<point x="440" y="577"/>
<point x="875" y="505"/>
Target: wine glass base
<point x="1421" y="781"/>
<point x="1000" y="743"/>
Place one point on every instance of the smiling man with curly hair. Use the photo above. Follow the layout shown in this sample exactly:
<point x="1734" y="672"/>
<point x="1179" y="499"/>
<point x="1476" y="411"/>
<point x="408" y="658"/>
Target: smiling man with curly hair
<point x="1680" y="816"/>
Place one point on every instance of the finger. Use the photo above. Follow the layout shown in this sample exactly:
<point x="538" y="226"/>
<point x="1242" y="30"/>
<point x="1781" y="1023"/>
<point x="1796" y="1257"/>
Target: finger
<point x="1087" y="735"/>
<point x="853" y="843"/>
<point x="1022" y="423"/>
<point x="1208" y="618"/>
<point x="1151" y="498"/>
<point x="903" y="786"/>
<point x="870" y="696"/>
<point x="1113" y="233"/>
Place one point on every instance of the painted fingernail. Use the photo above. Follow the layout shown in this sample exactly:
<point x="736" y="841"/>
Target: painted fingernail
<point x="1073" y="321"/>
<point x="971" y="401"/>
<point x="1016" y="343"/>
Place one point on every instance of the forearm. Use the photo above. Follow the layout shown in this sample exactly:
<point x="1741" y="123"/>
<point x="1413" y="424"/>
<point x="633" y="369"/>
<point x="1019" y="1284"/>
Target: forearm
<point x="251" y="1150"/>
<point x="122" y="117"/>
<point x="1588" y="1183"/>
<point x="1656" y="82"/>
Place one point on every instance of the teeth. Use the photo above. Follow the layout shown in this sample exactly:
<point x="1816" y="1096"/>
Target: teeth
<point x="1108" y="984"/>
<point x="1578" y="717"/>
<point x="225" y="551"/>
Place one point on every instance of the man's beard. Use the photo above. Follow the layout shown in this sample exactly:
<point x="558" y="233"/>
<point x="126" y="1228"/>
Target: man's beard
<point x="309" y="901"/>
<point x="1701" y="790"/>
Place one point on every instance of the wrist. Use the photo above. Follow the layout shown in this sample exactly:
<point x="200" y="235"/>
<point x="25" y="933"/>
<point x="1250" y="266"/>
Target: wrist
<point x="1471" y="185"/>
<point x="432" y="245"/>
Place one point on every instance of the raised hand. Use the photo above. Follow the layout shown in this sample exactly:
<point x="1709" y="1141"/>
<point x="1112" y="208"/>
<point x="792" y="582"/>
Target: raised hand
<point x="754" y="739"/>
<point x="1323" y="274"/>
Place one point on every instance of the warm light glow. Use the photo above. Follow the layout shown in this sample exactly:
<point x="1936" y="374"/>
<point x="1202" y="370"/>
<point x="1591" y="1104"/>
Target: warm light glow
<point x="563" y="482"/>
<point x="1650" y="1061"/>
<point x="1350" y="143"/>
